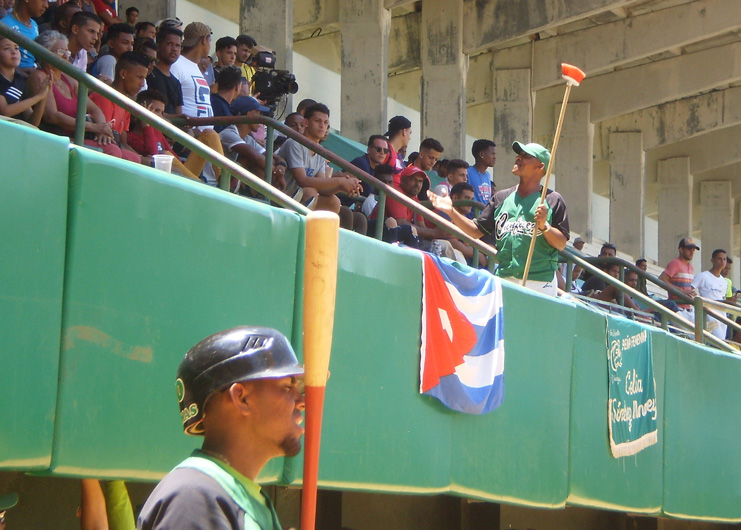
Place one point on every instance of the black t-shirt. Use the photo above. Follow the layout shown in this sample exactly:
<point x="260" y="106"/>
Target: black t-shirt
<point x="169" y="86"/>
<point x="14" y="90"/>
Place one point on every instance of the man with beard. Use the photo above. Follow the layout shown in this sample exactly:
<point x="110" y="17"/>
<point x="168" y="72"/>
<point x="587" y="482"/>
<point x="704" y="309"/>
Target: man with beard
<point x="238" y="389"/>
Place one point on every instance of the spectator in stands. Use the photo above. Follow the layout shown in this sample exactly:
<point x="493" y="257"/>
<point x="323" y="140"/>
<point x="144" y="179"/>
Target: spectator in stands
<point x="412" y="157"/>
<point x="457" y="172"/>
<point x="147" y="48"/>
<point x="106" y="10"/>
<point x="14" y="99"/>
<point x="726" y="273"/>
<point x="148" y="141"/>
<point x="385" y="174"/>
<point x="303" y="105"/>
<point x="441" y="168"/>
<point x="641" y="285"/>
<point x="608" y="250"/>
<point x="579" y="244"/>
<point x="131" y="72"/>
<point x="170" y="23"/>
<point x="399" y="133"/>
<point x="21" y="19"/>
<point x="87" y="6"/>
<point x="296" y="122"/>
<point x="512" y="217"/>
<point x="83" y="34"/>
<point x="169" y="44"/>
<point x="196" y="92"/>
<point x="132" y="16"/>
<point x="221" y="101"/>
<point x="60" y="110"/>
<point x="392" y="232"/>
<point x="120" y="41"/>
<point x="484" y="157"/>
<point x="463" y="191"/>
<point x="306" y="169"/>
<point x="237" y="141"/>
<point x="680" y="273"/>
<point x="4" y="10"/>
<point x="145" y="30"/>
<point x="245" y="43"/>
<point x="710" y="284"/>
<point x="61" y="18"/>
<point x="376" y="153"/>
<point x="226" y="53"/>
<point x="610" y="293"/>
<point x="429" y="152"/>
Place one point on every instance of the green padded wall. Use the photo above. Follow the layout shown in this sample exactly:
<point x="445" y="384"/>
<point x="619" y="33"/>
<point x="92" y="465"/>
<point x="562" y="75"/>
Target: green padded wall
<point x="155" y="263"/>
<point x="596" y="478"/>
<point x="33" y="215"/>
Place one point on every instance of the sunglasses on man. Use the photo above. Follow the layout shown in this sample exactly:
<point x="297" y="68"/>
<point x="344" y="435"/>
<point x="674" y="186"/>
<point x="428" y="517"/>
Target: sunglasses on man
<point x="383" y="150"/>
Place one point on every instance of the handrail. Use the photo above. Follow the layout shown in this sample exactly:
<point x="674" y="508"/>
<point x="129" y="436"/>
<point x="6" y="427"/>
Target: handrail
<point x="86" y="81"/>
<point x="388" y="191"/>
<point x="575" y="256"/>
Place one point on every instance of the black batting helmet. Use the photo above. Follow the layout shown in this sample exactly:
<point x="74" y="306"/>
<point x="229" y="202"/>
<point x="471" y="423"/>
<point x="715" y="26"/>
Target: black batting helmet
<point x="227" y="357"/>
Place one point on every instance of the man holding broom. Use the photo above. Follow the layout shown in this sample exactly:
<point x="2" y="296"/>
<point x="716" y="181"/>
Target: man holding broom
<point x="514" y="214"/>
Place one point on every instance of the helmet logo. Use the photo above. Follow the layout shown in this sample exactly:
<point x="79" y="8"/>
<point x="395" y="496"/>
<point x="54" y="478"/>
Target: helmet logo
<point x="189" y="412"/>
<point x="180" y="389"/>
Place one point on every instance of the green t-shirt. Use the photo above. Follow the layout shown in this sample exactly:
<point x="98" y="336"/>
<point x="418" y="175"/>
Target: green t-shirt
<point x="508" y="220"/>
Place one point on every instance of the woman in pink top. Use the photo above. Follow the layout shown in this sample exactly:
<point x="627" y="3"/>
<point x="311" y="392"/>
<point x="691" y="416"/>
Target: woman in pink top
<point x="61" y="109"/>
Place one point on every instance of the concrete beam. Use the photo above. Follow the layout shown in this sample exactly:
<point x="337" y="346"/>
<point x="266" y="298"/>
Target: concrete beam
<point x="495" y="22"/>
<point x="707" y="152"/>
<point x="390" y="4"/>
<point x="650" y="84"/>
<point x="404" y="40"/>
<point x="310" y="14"/>
<point x="606" y="46"/>
<point x="678" y="120"/>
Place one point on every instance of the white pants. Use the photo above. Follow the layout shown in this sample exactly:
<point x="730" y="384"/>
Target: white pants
<point x="549" y="288"/>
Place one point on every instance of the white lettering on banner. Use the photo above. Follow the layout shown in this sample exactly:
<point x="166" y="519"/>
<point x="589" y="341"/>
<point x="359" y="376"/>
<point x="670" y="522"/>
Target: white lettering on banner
<point x="633" y="385"/>
<point x="627" y="412"/>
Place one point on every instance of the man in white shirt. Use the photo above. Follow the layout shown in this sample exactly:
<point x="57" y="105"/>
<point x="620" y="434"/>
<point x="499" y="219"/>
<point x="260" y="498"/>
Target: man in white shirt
<point x="710" y="284"/>
<point x="196" y="92"/>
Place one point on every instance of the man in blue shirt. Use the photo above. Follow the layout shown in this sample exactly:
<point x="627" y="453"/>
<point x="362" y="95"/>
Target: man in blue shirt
<point x="484" y="156"/>
<point x="378" y="150"/>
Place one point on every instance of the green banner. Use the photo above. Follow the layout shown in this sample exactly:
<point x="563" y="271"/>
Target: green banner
<point x="632" y="398"/>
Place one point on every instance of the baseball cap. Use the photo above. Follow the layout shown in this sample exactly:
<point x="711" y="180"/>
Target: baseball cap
<point x="411" y="170"/>
<point x="578" y="240"/>
<point x="396" y="124"/>
<point x="244" y="104"/>
<point x="688" y="242"/>
<point x="8" y="500"/>
<point x="533" y="149"/>
<point x="194" y="32"/>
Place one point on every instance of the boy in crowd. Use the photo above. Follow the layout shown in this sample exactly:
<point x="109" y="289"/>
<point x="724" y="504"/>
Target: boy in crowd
<point x="83" y="34"/>
<point x="169" y="45"/>
<point x="120" y="41"/>
<point x="14" y="102"/>
<point x="484" y="156"/>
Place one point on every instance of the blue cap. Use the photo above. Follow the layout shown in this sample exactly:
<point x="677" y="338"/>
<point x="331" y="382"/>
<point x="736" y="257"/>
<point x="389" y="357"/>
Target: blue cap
<point x="244" y="104"/>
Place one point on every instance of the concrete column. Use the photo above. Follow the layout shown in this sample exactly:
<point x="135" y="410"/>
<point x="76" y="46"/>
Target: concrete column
<point x="365" y="26"/>
<point x="573" y="166"/>
<point x="444" y="72"/>
<point x="513" y="120"/>
<point x="271" y="25"/>
<point x="150" y="11"/>
<point x="675" y="205"/>
<point x="716" y="224"/>
<point x="627" y="191"/>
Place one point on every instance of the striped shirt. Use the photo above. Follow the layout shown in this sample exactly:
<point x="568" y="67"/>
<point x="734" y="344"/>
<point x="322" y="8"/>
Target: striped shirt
<point x="681" y="273"/>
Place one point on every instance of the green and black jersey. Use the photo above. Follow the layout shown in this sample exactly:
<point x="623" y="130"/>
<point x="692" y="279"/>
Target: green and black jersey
<point x="508" y="223"/>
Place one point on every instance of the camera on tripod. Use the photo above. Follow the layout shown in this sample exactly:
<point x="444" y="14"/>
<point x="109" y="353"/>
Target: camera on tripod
<point x="270" y="83"/>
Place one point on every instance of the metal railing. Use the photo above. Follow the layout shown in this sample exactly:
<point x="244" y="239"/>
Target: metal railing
<point x="229" y="167"/>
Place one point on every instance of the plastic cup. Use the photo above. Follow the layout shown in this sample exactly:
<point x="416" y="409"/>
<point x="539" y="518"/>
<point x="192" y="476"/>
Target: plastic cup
<point x="163" y="163"/>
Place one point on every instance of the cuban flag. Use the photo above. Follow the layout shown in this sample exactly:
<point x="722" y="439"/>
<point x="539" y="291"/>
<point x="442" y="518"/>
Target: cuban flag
<point x="462" y="353"/>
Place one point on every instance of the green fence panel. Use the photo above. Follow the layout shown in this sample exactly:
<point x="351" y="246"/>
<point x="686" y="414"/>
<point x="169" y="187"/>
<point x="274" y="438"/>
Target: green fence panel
<point x="379" y="433"/>
<point x="518" y="453"/>
<point x="597" y="479"/>
<point x="33" y="215"/>
<point x="702" y="466"/>
<point x="155" y="263"/>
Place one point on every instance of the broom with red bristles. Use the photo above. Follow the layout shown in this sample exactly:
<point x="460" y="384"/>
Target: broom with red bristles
<point x="573" y="77"/>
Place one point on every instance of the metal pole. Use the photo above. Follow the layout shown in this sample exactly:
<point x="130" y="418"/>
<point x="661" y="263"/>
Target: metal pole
<point x="380" y="215"/>
<point x="269" y="141"/>
<point x="699" y="319"/>
<point x="475" y="257"/>
<point x="80" y="119"/>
